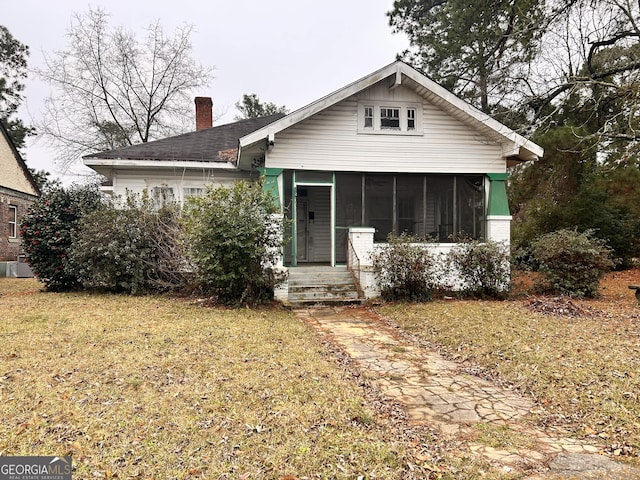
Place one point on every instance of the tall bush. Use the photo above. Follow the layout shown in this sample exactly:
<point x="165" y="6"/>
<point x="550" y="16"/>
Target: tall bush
<point x="405" y="269"/>
<point x="482" y="267"/>
<point x="133" y="248"/>
<point x="572" y="262"/>
<point x="48" y="229"/>
<point x="235" y="238"/>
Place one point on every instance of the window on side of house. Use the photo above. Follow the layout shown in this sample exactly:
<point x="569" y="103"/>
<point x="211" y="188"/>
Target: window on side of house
<point x="389" y="118"/>
<point x="162" y="196"/>
<point x="192" y="192"/>
<point x="13" y="221"/>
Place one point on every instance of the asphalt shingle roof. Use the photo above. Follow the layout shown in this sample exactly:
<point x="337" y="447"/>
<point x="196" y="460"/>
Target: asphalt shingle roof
<point x="204" y="145"/>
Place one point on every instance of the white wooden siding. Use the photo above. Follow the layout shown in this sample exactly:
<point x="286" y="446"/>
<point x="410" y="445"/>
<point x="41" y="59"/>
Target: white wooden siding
<point x="136" y="181"/>
<point x="330" y="141"/>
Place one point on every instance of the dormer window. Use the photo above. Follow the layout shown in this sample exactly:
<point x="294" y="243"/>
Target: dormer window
<point x="390" y="118"/>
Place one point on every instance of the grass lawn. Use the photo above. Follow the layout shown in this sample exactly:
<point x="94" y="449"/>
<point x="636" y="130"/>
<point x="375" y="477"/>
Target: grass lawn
<point x="149" y="387"/>
<point x="155" y="387"/>
<point x="583" y="370"/>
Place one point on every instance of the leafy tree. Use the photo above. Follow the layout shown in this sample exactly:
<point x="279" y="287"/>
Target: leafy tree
<point x="234" y="235"/>
<point x="48" y="230"/>
<point x="541" y="193"/>
<point x="476" y="49"/>
<point x="13" y="72"/>
<point x="43" y="179"/>
<point x="251" y="107"/>
<point x="111" y="89"/>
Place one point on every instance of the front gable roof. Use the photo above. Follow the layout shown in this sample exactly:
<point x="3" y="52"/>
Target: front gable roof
<point x="515" y="147"/>
<point x="14" y="172"/>
<point x="217" y="144"/>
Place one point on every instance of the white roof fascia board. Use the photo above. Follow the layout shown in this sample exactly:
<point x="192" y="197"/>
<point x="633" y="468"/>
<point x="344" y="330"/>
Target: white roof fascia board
<point x="473" y="112"/>
<point x="128" y="163"/>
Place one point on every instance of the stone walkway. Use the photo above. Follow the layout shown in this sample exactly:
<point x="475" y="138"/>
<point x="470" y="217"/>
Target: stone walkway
<point x="434" y="392"/>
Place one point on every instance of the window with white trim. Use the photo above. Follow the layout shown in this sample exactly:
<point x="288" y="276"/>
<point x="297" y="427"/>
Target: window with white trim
<point x="390" y="118"/>
<point x="411" y="119"/>
<point x="162" y="196"/>
<point x="368" y="117"/>
<point x="192" y="192"/>
<point x="13" y="221"/>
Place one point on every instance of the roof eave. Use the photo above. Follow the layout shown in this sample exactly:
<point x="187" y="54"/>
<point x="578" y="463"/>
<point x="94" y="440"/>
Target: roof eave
<point x="134" y="163"/>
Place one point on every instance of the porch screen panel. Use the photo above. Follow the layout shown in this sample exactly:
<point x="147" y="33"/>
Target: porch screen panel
<point x="440" y="207"/>
<point x="348" y="209"/>
<point x="410" y="205"/>
<point x="378" y="208"/>
<point x="470" y="207"/>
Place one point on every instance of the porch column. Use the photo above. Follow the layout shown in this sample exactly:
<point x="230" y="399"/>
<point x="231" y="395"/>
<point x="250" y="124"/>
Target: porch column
<point x="271" y="183"/>
<point x="498" y="215"/>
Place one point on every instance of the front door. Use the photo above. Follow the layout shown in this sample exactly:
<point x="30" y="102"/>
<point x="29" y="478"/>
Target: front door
<point x="313" y="224"/>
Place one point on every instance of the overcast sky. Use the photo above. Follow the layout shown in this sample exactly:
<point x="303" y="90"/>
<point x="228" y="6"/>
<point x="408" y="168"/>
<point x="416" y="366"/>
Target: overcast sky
<point x="289" y="52"/>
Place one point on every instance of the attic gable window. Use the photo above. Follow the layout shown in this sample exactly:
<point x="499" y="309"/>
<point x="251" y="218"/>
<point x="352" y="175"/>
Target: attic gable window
<point x="390" y="118"/>
<point x="411" y="118"/>
<point x="368" y="117"/>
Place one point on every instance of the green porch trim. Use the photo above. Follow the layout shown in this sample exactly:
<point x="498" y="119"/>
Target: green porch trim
<point x="270" y="182"/>
<point x="498" y="201"/>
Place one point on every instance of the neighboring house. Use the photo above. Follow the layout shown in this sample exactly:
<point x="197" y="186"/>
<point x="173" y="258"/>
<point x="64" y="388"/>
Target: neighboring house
<point x="392" y="152"/>
<point x="18" y="191"/>
<point x="180" y="166"/>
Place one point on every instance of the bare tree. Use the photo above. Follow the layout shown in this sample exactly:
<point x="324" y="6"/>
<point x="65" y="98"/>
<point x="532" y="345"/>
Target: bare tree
<point x="112" y="90"/>
<point x="588" y="73"/>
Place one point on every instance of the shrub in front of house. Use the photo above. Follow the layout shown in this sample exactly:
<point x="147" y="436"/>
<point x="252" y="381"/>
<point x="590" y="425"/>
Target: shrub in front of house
<point x="133" y="248"/>
<point x="405" y="269"/>
<point x="48" y="229"/>
<point x="234" y="239"/>
<point x="571" y="262"/>
<point x="482" y="267"/>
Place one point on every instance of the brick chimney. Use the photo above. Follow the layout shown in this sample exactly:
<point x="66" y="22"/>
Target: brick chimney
<point x="204" y="115"/>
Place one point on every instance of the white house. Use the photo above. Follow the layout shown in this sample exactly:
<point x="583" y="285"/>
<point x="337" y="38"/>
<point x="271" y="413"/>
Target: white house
<point x="391" y="152"/>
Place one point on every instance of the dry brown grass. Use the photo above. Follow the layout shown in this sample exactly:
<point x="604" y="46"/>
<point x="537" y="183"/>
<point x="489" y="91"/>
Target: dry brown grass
<point x="583" y="371"/>
<point x="145" y="387"/>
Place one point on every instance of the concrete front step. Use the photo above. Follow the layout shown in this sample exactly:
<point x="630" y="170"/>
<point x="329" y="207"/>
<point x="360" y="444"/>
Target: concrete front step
<point x="310" y="285"/>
